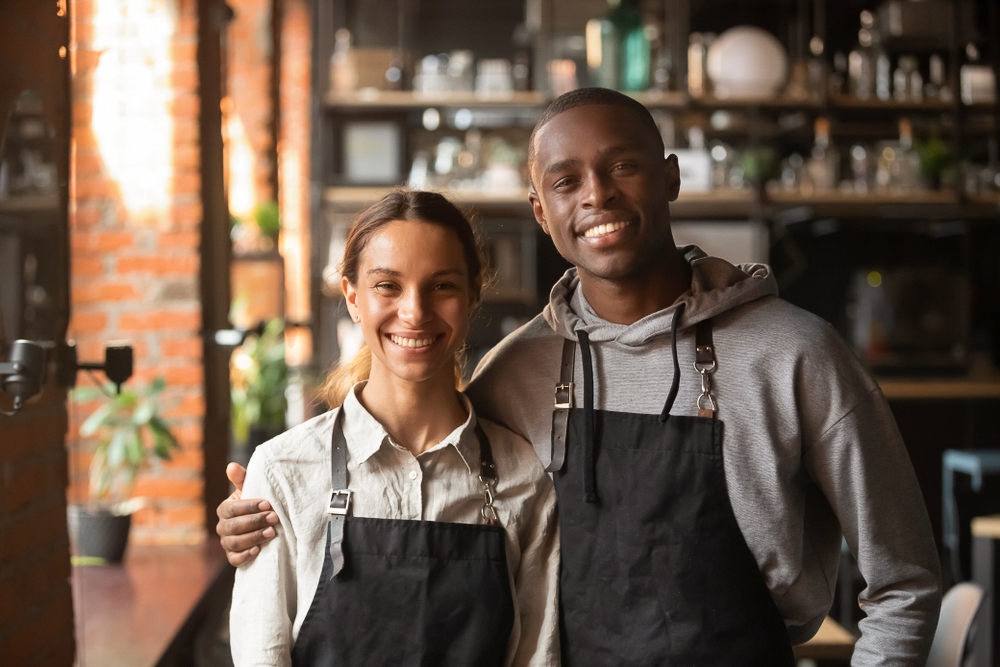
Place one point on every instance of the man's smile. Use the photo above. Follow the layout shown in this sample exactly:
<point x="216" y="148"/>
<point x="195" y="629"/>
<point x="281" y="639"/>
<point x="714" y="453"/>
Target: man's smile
<point x="602" y="230"/>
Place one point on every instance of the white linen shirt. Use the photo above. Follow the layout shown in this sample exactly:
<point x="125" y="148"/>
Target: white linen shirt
<point x="272" y="595"/>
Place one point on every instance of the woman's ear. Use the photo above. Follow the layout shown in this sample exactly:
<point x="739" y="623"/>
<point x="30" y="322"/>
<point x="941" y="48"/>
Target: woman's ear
<point x="351" y="297"/>
<point x="476" y="293"/>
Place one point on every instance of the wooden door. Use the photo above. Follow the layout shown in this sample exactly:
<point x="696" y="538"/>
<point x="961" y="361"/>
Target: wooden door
<point x="36" y="608"/>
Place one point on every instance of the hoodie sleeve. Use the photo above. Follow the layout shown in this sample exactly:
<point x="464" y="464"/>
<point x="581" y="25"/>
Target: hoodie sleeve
<point x="864" y="470"/>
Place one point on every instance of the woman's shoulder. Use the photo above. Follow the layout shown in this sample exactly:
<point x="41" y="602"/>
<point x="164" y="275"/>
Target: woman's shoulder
<point x="511" y="452"/>
<point x="307" y="442"/>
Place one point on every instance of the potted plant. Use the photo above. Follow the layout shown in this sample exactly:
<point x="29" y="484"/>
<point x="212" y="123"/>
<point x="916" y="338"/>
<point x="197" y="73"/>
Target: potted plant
<point x="257" y="231"/>
<point x="258" y="379"/>
<point x="131" y="432"/>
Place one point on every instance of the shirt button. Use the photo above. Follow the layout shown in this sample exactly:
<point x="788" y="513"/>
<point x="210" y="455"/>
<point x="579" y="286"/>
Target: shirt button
<point x="413" y="474"/>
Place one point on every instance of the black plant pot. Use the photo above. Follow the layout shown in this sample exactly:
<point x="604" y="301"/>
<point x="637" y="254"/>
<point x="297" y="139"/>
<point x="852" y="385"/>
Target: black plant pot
<point x="101" y="534"/>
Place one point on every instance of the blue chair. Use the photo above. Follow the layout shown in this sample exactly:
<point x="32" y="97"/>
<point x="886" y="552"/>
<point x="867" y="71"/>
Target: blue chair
<point x="977" y="464"/>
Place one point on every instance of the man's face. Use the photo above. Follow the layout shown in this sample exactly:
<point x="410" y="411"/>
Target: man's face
<point x="603" y="190"/>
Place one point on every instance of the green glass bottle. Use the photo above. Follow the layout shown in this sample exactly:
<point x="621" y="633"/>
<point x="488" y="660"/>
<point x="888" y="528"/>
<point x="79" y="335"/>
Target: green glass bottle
<point x="618" y="49"/>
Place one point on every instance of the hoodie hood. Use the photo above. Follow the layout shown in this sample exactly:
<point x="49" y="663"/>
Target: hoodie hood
<point x="716" y="287"/>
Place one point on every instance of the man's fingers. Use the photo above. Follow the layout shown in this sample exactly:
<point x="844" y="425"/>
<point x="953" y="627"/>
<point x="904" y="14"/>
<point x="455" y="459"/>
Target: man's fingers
<point x="237" y="474"/>
<point x="231" y="509"/>
<point x="243" y="557"/>
<point x="240" y="545"/>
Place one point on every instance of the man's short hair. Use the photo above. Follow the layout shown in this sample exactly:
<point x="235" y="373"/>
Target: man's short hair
<point x="586" y="96"/>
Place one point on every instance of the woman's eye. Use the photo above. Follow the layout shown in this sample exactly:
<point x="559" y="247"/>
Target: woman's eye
<point x="385" y="287"/>
<point x="444" y="286"/>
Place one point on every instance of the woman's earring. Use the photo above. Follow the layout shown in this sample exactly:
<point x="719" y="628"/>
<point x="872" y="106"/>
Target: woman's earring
<point x="355" y="317"/>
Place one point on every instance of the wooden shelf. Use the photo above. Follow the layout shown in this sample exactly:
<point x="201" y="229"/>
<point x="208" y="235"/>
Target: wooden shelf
<point x="847" y="102"/>
<point x="399" y="99"/>
<point x="405" y="99"/>
<point x="727" y="203"/>
<point x="973" y="387"/>
<point x="29" y="203"/>
<point x="355" y="196"/>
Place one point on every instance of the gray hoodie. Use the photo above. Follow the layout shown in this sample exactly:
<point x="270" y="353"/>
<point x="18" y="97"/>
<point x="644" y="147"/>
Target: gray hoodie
<point x="810" y="447"/>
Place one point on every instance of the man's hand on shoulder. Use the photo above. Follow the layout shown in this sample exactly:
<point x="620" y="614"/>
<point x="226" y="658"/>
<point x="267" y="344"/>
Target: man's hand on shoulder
<point x="244" y="525"/>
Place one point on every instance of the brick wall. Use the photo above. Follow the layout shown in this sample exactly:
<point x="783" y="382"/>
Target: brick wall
<point x="249" y="106"/>
<point x="293" y="169"/>
<point x="135" y="212"/>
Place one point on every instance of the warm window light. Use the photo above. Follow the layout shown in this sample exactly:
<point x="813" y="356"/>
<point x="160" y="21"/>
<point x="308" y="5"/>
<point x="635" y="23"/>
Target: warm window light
<point x="242" y="360"/>
<point x="132" y="99"/>
<point x="240" y="177"/>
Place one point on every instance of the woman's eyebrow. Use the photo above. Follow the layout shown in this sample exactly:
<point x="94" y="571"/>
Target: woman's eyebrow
<point x="381" y="270"/>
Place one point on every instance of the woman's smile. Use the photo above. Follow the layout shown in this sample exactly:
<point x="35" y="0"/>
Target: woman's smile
<point x="414" y="343"/>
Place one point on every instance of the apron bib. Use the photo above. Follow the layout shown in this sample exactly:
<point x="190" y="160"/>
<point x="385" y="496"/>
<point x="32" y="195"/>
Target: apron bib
<point x="408" y="593"/>
<point x="655" y="570"/>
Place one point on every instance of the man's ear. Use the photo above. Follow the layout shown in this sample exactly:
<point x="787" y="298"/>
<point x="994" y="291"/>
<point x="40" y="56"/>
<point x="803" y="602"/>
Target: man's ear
<point x="673" y="177"/>
<point x="536" y="208"/>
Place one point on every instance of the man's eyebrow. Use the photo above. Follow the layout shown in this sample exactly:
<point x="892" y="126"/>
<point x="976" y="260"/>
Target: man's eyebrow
<point x="604" y="152"/>
<point x="561" y="165"/>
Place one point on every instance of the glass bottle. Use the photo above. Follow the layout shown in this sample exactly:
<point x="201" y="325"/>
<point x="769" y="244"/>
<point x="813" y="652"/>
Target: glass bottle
<point x="823" y="166"/>
<point x="861" y="61"/>
<point x="618" y="48"/>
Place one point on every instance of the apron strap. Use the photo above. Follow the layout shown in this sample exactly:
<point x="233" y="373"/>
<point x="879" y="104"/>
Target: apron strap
<point x="340" y="498"/>
<point x="563" y="406"/>
<point x="488" y="477"/>
<point x="704" y="363"/>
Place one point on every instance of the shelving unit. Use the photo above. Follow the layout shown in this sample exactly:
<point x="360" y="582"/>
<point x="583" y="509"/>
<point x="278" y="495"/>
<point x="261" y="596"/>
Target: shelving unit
<point x="798" y="221"/>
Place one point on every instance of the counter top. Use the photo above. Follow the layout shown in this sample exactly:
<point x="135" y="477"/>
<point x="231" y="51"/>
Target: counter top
<point x="128" y="614"/>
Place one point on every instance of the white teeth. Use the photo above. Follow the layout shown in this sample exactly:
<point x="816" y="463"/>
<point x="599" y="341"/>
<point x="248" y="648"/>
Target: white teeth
<point x="601" y="230"/>
<point x="410" y="342"/>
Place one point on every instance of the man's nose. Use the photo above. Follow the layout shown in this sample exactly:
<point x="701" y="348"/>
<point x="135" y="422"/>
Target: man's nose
<point x="599" y="191"/>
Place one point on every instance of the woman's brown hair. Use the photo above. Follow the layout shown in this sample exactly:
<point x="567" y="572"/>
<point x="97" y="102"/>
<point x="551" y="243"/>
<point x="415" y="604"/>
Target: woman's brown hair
<point x="399" y="204"/>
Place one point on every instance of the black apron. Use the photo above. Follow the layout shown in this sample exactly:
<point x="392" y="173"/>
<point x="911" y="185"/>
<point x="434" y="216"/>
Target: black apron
<point x="655" y="570"/>
<point x="408" y="593"/>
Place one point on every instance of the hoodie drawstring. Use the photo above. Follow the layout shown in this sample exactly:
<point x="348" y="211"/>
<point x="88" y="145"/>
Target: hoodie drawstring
<point x="589" y="455"/>
<point x="676" y="382"/>
<point x="589" y="464"/>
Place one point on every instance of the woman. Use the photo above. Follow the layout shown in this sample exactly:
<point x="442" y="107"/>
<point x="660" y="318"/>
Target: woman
<point x="410" y="533"/>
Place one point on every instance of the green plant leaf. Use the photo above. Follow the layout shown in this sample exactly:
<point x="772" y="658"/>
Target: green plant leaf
<point x="143" y="413"/>
<point x="133" y="448"/>
<point x="163" y="439"/>
<point x="96" y="419"/>
<point x="116" y="447"/>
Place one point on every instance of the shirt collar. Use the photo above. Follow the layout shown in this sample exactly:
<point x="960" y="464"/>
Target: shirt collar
<point x="365" y="435"/>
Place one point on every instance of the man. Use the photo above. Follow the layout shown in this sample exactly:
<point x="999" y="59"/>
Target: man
<point x="720" y="439"/>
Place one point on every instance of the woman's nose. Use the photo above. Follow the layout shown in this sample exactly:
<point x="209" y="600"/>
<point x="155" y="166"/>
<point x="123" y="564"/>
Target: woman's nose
<point x="413" y="308"/>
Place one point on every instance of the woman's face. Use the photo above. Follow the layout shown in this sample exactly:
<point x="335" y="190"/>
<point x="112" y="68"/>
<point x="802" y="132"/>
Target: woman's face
<point x="412" y="300"/>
